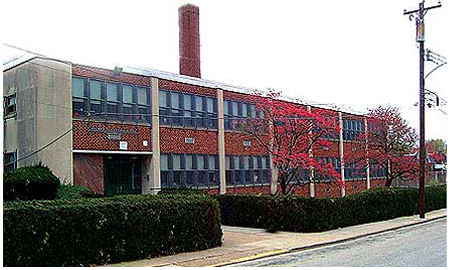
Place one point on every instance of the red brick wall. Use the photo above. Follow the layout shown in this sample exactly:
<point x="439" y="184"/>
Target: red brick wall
<point x="188" y="21"/>
<point x="327" y="151"/>
<point x="249" y="190"/>
<point x="172" y="141"/>
<point x="88" y="171"/>
<point x="324" y="190"/>
<point x="107" y="75"/>
<point x="377" y="182"/>
<point x="234" y="145"/>
<point x="237" y="96"/>
<point x="355" y="186"/>
<point x="83" y="139"/>
<point x="187" y="88"/>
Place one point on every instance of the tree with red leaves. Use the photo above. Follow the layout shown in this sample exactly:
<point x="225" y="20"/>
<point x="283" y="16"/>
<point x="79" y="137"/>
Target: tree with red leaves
<point x="388" y="144"/>
<point x="288" y="131"/>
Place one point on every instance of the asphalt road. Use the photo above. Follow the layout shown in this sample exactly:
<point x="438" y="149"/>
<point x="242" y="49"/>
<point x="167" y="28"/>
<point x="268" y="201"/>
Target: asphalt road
<point x="420" y="245"/>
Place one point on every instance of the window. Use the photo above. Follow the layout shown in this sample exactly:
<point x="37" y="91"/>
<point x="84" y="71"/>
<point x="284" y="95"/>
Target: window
<point x="143" y="105"/>
<point x="177" y="172"/>
<point x="189" y="170"/>
<point x="236" y="111"/>
<point x="127" y="105"/>
<point x="164" y="107"/>
<point x="95" y="90"/>
<point x="112" y="105"/>
<point x="78" y="97"/>
<point x="9" y="161"/>
<point x="176" y="109"/>
<point x="243" y="170"/>
<point x="351" y="129"/>
<point x="110" y="99"/>
<point x="179" y="109"/>
<point x="164" y="170"/>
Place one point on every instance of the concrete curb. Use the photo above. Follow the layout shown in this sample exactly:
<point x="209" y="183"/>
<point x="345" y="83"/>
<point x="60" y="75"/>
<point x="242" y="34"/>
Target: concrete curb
<point x="302" y="248"/>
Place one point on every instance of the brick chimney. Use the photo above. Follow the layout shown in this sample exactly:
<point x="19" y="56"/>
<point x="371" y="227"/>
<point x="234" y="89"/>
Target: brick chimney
<point x="188" y="21"/>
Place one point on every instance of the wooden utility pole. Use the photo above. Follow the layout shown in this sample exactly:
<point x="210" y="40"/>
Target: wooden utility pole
<point x="419" y="15"/>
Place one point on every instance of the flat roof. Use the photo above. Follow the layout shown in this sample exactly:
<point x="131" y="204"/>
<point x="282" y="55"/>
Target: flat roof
<point x="183" y="79"/>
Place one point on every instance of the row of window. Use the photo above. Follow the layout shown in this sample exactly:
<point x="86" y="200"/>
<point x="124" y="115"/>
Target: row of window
<point x="110" y="100"/>
<point x="351" y="129"/>
<point x="243" y="170"/>
<point x="235" y="111"/>
<point x="190" y="170"/>
<point x="377" y="170"/>
<point x="180" y="109"/>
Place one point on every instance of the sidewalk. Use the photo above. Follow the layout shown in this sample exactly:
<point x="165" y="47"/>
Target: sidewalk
<point x="243" y="244"/>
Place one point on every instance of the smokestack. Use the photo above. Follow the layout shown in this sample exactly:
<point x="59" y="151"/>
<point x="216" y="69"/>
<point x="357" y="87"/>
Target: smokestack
<point x="188" y="21"/>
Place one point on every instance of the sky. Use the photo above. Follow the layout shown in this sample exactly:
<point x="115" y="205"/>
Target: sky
<point x="353" y="54"/>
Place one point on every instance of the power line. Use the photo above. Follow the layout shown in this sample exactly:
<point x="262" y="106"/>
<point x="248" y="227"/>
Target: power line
<point x="42" y="148"/>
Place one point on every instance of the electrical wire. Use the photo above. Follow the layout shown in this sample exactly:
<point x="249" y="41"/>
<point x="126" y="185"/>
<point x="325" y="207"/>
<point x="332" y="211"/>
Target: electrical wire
<point x="42" y="148"/>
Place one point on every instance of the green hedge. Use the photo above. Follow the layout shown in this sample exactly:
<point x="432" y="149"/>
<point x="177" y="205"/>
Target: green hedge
<point x="30" y="183"/>
<point x="301" y="214"/>
<point x="182" y="190"/>
<point x="71" y="192"/>
<point x="107" y="230"/>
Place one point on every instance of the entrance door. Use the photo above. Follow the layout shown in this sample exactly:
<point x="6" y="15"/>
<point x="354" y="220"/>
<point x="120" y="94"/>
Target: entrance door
<point x="122" y="174"/>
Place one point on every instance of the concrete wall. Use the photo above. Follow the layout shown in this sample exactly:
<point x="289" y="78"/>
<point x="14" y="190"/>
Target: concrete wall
<point x="44" y="112"/>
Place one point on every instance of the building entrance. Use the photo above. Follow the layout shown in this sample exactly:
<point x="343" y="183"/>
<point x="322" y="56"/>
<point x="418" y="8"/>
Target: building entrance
<point x="122" y="174"/>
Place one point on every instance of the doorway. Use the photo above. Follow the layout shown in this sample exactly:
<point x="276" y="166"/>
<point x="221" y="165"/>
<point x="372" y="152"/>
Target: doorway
<point x="122" y="174"/>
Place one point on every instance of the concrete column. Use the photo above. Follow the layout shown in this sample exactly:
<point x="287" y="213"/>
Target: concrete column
<point x="341" y="153"/>
<point x="311" y="169"/>
<point x="221" y="142"/>
<point x="273" y="168"/>
<point x="273" y="177"/>
<point x="155" y="163"/>
<point x="366" y="131"/>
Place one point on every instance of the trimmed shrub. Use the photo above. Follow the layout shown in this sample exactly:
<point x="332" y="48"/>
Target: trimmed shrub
<point x="71" y="192"/>
<point x="182" y="190"/>
<point x="302" y="214"/>
<point x="107" y="230"/>
<point x="30" y="183"/>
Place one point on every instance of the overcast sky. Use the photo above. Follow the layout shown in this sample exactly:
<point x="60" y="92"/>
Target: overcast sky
<point x="356" y="54"/>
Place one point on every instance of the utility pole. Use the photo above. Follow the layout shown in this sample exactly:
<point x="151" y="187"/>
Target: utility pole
<point x="419" y="15"/>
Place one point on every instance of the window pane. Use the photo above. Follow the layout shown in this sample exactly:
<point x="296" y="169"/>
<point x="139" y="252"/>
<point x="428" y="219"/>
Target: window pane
<point x="244" y="110"/>
<point x="234" y="108"/>
<point x="111" y="92"/>
<point x="176" y="162"/>
<point x="252" y="111"/>
<point x="175" y="100"/>
<point x="127" y="111"/>
<point x="199" y="103"/>
<point x="164" y="162"/>
<point x="227" y="162"/>
<point x="162" y="98"/>
<point x="78" y="87"/>
<point x="246" y="162"/>
<point x="210" y="105"/>
<point x="142" y="96"/>
<point x="263" y="160"/>
<point x="127" y="94"/>
<point x="225" y="107"/>
<point x="95" y="88"/>
<point x="212" y="163"/>
<point x="188" y="159"/>
<point x="200" y="162"/>
<point x="236" y="163"/>
<point x="187" y="102"/>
